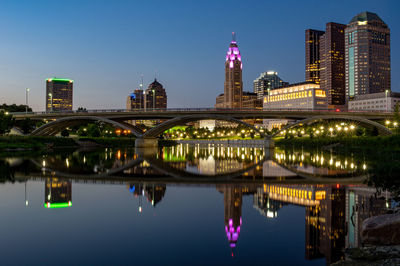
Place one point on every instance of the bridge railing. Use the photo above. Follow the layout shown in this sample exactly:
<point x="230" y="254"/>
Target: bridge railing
<point x="185" y="110"/>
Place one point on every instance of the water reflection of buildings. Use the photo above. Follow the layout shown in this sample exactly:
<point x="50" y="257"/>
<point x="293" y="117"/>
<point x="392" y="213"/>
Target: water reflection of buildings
<point x="333" y="217"/>
<point x="153" y="192"/>
<point x="232" y="211"/>
<point x="58" y="193"/>
<point x="360" y="205"/>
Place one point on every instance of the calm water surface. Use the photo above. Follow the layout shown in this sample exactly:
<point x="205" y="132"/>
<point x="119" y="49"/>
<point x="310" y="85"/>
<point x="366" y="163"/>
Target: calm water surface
<point x="192" y="205"/>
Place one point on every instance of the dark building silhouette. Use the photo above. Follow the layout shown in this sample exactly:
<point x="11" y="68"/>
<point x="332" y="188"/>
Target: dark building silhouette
<point x="313" y="60"/>
<point x="367" y="40"/>
<point x="156" y="97"/>
<point x="153" y="97"/>
<point x="59" y="94"/>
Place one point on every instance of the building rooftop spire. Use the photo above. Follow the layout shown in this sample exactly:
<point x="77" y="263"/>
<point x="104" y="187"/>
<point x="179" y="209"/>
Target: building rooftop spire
<point x="233" y="36"/>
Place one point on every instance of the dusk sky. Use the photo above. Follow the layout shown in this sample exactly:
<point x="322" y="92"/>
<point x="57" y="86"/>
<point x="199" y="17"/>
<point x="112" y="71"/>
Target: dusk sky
<point x="104" y="46"/>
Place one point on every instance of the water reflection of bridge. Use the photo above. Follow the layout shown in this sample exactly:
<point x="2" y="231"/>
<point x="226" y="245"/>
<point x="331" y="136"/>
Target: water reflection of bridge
<point x="202" y="169"/>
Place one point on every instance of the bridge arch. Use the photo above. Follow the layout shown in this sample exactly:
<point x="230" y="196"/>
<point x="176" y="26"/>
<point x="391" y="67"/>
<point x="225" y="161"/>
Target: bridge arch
<point x="54" y="127"/>
<point x="159" y="129"/>
<point x="382" y="130"/>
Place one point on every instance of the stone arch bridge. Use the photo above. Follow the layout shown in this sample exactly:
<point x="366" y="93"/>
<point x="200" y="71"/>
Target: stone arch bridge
<point x="174" y="117"/>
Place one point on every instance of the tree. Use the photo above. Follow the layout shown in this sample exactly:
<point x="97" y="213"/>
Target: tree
<point x="93" y="130"/>
<point x="374" y="132"/>
<point x="6" y="122"/>
<point x="14" y="108"/>
<point x="26" y="125"/>
<point x="65" y="133"/>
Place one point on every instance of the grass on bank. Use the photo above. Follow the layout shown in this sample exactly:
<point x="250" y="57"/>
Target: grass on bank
<point x="38" y="143"/>
<point x="389" y="143"/>
<point x="34" y="142"/>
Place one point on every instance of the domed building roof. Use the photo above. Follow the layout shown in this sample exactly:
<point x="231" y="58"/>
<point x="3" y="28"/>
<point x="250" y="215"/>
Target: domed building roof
<point x="155" y="85"/>
<point x="366" y="16"/>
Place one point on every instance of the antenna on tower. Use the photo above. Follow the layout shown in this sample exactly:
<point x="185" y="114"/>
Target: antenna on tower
<point x="141" y="83"/>
<point x="233" y="36"/>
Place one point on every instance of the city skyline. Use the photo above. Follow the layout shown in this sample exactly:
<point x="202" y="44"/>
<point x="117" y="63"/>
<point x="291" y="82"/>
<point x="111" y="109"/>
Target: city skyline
<point x="106" y="59"/>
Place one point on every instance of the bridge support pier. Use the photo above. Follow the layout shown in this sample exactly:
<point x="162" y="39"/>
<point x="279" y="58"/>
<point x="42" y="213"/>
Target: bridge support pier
<point x="146" y="142"/>
<point x="269" y="143"/>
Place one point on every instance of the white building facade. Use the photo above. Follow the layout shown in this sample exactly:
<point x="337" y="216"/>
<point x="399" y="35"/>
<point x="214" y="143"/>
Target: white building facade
<point x="382" y="101"/>
<point x="300" y="96"/>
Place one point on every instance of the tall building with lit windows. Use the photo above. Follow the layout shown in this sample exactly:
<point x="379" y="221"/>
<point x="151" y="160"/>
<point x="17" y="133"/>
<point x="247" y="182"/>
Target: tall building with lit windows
<point x="313" y="60"/>
<point x="367" y="45"/>
<point x="332" y="57"/>
<point x="59" y="94"/>
<point x="155" y="96"/>
<point x="325" y="61"/>
<point x="233" y="86"/>
<point x="267" y="81"/>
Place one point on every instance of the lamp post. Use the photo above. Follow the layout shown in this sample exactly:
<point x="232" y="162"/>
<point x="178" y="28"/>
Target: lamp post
<point x="51" y="102"/>
<point x="386" y="94"/>
<point x="26" y="99"/>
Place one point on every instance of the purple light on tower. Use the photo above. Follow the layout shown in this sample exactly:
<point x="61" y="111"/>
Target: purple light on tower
<point x="232" y="232"/>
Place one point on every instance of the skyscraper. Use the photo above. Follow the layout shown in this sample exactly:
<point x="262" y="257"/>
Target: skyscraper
<point x="156" y="97"/>
<point x="135" y="100"/>
<point x="233" y="86"/>
<point x="313" y="56"/>
<point x="267" y="81"/>
<point x="332" y="70"/>
<point x="367" y="45"/>
<point x="59" y="94"/>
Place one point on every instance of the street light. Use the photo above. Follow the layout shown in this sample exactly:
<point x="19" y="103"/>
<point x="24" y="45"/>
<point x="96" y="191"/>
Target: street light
<point x="386" y="94"/>
<point x="26" y="99"/>
<point x="51" y="102"/>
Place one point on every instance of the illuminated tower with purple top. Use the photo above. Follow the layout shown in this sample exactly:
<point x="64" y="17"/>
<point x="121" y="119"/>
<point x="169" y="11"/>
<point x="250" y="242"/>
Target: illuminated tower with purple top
<point x="233" y="87"/>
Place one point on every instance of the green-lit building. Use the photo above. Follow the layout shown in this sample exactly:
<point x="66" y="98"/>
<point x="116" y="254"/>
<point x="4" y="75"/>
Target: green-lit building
<point x="59" y="94"/>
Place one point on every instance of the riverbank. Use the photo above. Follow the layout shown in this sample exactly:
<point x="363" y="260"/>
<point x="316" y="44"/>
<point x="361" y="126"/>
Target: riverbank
<point x="383" y="143"/>
<point x="29" y="143"/>
<point x="19" y="143"/>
